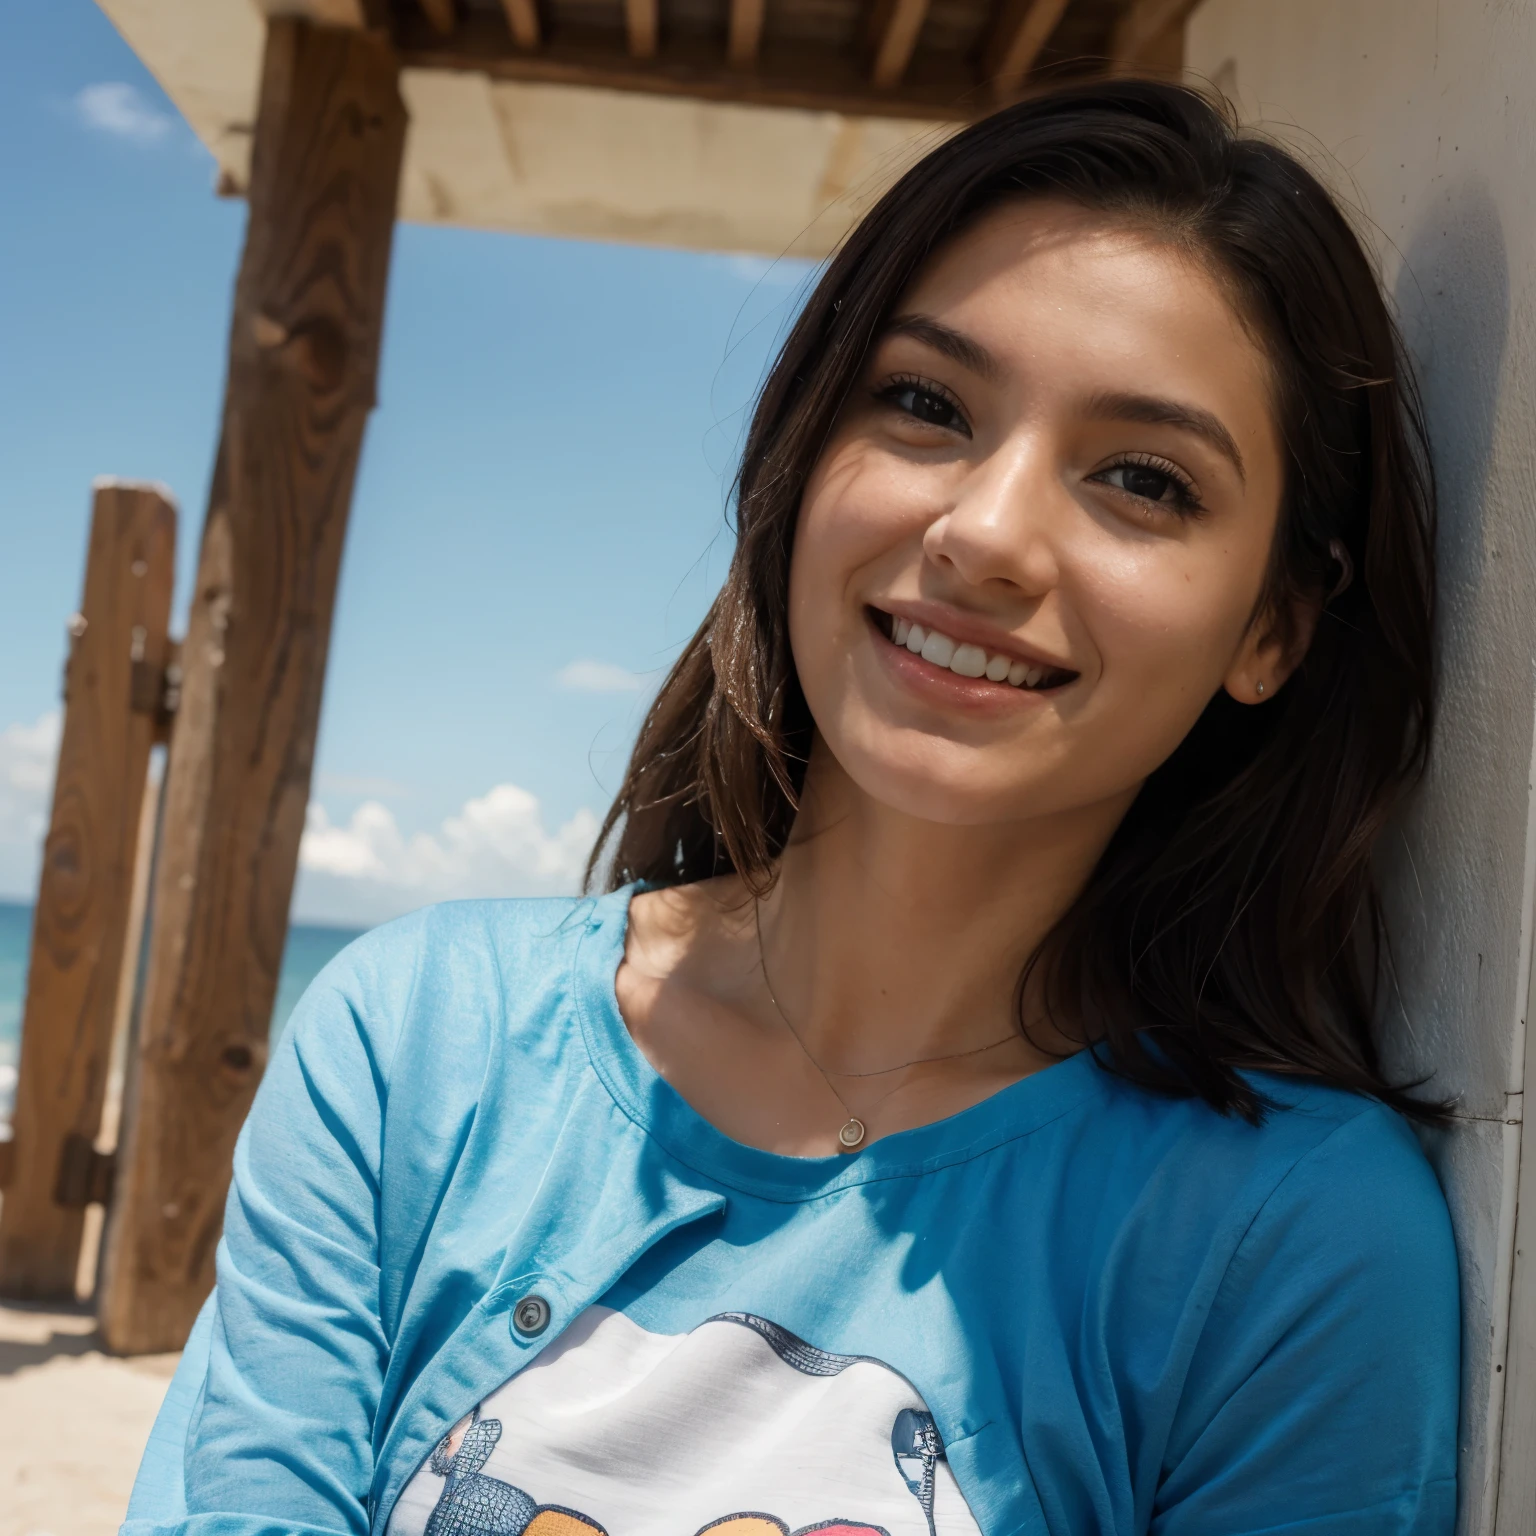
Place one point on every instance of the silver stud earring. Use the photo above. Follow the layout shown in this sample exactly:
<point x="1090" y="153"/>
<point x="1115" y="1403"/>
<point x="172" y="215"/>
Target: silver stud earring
<point x="1259" y="689"/>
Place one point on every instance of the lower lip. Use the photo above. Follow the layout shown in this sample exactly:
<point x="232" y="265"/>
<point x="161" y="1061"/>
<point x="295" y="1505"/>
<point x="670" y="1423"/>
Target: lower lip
<point x="975" y="695"/>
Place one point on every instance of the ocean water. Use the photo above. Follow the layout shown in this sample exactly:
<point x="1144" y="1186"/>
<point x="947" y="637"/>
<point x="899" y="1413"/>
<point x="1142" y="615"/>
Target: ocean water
<point x="307" y="951"/>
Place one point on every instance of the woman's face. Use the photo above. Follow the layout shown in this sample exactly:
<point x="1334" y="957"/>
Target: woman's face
<point x="1058" y="478"/>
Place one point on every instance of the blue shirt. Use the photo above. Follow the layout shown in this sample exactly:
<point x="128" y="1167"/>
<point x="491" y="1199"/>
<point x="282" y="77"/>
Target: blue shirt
<point x="1124" y="1312"/>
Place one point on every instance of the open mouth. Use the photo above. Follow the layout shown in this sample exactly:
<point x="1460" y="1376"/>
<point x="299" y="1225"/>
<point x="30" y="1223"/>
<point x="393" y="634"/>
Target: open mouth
<point x="967" y="660"/>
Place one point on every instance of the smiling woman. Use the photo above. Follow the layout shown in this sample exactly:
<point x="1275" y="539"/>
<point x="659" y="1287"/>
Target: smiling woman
<point x="1107" y="390"/>
<point x="963" y="1113"/>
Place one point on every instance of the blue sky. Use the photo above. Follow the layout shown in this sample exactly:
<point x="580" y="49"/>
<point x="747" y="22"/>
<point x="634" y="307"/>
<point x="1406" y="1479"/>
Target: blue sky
<point x="540" y="514"/>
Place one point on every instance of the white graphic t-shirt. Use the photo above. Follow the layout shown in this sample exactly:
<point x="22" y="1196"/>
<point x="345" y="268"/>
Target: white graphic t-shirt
<point x="737" y="1428"/>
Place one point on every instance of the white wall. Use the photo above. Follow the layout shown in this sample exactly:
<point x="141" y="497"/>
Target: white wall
<point x="1423" y="114"/>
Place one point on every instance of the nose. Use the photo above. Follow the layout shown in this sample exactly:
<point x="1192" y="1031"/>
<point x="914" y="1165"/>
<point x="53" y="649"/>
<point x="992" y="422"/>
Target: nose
<point x="1003" y="522"/>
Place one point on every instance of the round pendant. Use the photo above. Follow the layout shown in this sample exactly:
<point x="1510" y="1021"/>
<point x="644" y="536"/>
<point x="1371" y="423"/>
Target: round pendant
<point x="852" y="1133"/>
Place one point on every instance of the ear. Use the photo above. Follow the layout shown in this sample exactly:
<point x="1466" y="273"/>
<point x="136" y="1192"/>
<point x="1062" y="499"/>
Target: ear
<point x="1272" y="649"/>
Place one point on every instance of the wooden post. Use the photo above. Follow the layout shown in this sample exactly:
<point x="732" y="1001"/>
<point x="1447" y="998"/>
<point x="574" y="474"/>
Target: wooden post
<point x="113" y="689"/>
<point x="101" y="1168"/>
<point x="303" y="356"/>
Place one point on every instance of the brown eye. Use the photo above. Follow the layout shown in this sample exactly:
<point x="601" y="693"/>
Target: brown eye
<point x="926" y="405"/>
<point x="1149" y="482"/>
<point x="1141" y="481"/>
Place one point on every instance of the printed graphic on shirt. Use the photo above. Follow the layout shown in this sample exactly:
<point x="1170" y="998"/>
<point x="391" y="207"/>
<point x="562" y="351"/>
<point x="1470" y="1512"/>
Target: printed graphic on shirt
<point x="738" y="1428"/>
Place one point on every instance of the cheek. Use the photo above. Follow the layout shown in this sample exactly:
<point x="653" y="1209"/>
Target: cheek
<point x="861" y="502"/>
<point x="1166" y="622"/>
<point x="862" y="511"/>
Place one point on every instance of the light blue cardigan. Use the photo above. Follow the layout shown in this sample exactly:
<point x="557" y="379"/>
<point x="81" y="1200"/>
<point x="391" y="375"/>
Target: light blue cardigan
<point x="1125" y="1312"/>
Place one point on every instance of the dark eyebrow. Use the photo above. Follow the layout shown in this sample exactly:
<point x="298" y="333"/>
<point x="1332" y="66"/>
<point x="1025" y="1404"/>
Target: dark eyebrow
<point x="1170" y="413"/>
<point x="955" y="345"/>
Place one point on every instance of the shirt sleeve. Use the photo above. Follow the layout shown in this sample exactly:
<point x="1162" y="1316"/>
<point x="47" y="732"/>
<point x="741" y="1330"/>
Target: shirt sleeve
<point x="267" y="1428"/>
<point x="1323" y="1395"/>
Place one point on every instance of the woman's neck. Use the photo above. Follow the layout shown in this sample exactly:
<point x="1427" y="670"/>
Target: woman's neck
<point x="888" y="938"/>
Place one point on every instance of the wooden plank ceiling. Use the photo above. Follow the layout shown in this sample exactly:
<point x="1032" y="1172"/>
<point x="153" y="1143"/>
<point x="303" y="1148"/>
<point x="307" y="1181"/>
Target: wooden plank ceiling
<point x="931" y="59"/>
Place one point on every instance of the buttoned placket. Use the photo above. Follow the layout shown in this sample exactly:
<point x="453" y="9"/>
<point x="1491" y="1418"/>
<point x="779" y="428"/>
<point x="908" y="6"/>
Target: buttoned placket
<point x="488" y="1348"/>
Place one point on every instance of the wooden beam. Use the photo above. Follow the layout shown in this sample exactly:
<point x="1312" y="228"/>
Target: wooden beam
<point x="522" y="22"/>
<point x="330" y="13"/>
<point x="895" y="25"/>
<point x="84" y="900"/>
<point x="442" y="14"/>
<point x="1143" y="27"/>
<point x="1020" y="31"/>
<point x="642" y="23"/>
<point x="746" y="33"/>
<point x="303" y="358"/>
<point x="810" y="78"/>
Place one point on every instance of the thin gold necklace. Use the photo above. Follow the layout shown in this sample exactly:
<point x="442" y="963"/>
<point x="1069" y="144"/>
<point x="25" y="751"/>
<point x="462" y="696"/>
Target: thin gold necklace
<point x="851" y="1134"/>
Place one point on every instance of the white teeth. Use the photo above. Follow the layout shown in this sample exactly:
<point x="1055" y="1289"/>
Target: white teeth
<point x="968" y="661"/>
<point x="963" y="658"/>
<point x="939" y="649"/>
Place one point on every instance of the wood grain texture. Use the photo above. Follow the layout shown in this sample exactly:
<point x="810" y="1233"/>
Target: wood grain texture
<point x="84" y="900"/>
<point x="642" y="25"/>
<point x="522" y="22"/>
<point x="125" y="1007"/>
<point x="745" y="33"/>
<point x="1140" y="37"/>
<point x="331" y="13"/>
<point x="894" y="32"/>
<point x="809" y="77"/>
<point x="1022" y="29"/>
<point x="303" y="359"/>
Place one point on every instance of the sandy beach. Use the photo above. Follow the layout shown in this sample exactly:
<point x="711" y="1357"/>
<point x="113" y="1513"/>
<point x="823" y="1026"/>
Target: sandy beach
<point x="73" y="1422"/>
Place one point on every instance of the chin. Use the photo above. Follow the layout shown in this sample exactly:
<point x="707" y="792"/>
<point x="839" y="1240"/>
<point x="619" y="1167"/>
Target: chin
<point x="942" y="786"/>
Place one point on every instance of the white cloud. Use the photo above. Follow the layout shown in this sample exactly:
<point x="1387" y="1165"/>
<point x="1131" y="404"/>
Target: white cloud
<point x="354" y="873"/>
<point x="366" y="869"/>
<point x="27" y="757"/>
<point x="28" y="754"/>
<point x="602" y="677"/>
<point x="117" y="108"/>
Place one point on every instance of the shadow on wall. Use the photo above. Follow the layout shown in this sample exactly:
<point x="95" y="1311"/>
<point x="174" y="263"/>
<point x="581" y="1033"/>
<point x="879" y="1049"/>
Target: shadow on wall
<point x="1452" y="297"/>
<point x="1451" y="872"/>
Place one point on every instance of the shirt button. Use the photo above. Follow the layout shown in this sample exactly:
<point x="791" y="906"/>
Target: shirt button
<point x="530" y="1317"/>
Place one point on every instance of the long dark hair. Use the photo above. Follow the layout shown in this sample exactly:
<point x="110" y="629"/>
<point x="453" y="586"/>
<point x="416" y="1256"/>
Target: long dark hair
<point x="1233" y="922"/>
